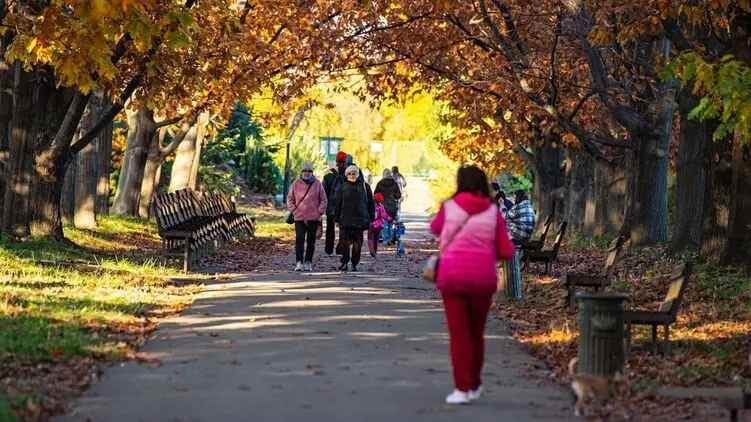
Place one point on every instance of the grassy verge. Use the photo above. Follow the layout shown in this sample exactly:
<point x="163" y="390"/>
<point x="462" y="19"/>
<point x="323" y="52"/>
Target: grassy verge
<point x="64" y="306"/>
<point x="711" y="344"/>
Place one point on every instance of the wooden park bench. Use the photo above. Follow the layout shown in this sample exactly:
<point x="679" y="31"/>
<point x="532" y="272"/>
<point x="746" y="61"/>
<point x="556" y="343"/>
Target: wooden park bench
<point x="537" y="244"/>
<point x="190" y="223"/>
<point x="594" y="281"/>
<point x="548" y="256"/>
<point x="666" y="313"/>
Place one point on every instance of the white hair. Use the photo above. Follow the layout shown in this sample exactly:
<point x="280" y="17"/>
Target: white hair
<point x="352" y="169"/>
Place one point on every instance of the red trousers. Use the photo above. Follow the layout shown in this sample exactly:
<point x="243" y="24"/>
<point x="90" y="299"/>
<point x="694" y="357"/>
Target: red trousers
<point x="466" y="315"/>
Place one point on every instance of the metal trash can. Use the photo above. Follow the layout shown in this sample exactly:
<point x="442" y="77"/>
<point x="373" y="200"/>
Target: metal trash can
<point x="601" y="333"/>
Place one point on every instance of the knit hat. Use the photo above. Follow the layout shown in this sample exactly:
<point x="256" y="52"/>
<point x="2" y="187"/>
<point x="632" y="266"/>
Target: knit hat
<point x="378" y="197"/>
<point x="341" y="156"/>
<point x="307" y="166"/>
<point x="352" y="169"/>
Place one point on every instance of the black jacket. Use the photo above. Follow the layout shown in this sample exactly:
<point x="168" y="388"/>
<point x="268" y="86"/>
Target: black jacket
<point x="391" y="194"/>
<point x="331" y="182"/>
<point x="355" y="208"/>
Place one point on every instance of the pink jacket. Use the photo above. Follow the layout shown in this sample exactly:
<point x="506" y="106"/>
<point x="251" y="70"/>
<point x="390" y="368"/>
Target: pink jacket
<point x="382" y="216"/>
<point x="468" y="265"/>
<point x="314" y="204"/>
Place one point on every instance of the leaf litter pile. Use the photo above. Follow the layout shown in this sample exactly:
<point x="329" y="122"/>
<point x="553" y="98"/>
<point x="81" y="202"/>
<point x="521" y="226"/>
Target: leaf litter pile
<point x="710" y="339"/>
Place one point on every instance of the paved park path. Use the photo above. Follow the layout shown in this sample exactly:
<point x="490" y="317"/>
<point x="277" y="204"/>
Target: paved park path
<point x="274" y="345"/>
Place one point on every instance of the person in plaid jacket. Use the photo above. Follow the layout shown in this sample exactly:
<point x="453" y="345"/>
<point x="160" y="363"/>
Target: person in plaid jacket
<point x="520" y="221"/>
<point x="521" y="218"/>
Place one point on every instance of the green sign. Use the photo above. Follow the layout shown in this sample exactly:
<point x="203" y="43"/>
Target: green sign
<point x="330" y="146"/>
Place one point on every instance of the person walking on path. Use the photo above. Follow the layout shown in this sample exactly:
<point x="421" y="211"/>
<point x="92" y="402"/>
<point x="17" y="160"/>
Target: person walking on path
<point x="402" y="182"/>
<point x="400" y="179"/>
<point x="473" y="236"/>
<point x="355" y="210"/>
<point x="391" y="192"/>
<point x="307" y="202"/>
<point x="331" y="182"/>
<point x="521" y="223"/>
<point x="382" y="217"/>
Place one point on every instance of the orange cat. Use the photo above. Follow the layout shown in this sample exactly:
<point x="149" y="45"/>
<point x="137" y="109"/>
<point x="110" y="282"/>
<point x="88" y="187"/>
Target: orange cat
<point x="588" y="388"/>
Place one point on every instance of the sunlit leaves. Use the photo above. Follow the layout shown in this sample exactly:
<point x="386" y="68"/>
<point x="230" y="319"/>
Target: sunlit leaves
<point x="725" y="88"/>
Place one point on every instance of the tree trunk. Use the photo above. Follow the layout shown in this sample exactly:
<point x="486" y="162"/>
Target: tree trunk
<point x="717" y="199"/>
<point x="86" y="178"/>
<point x="658" y="227"/>
<point x="80" y="186"/>
<point x="141" y="132"/>
<point x="6" y="113"/>
<point x="104" y="167"/>
<point x="45" y="199"/>
<point x="547" y="166"/>
<point x="647" y="199"/>
<point x="193" y="182"/>
<point x="34" y="182"/>
<point x="692" y="182"/>
<point x="68" y="196"/>
<point x="738" y="248"/>
<point x="611" y="184"/>
<point x="150" y="174"/>
<point x="579" y="199"/>
<point x="185" y="157"/>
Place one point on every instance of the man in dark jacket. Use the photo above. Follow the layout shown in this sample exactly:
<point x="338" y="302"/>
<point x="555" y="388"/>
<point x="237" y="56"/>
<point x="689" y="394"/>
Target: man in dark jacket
<point x="391" y="191"/>
<point x="331" y="182"/>
<point x="355" y="210"/>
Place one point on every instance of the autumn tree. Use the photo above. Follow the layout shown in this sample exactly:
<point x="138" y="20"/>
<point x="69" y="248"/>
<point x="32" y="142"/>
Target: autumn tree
<point x="56" y="54"/>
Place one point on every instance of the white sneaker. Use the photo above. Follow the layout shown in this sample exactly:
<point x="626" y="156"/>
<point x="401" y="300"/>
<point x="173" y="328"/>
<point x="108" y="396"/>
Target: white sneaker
<point x="298" y="267"/>
<point x="308" y="266"/>
<point x="475" y="394"/>
<point x="457" y="397"/>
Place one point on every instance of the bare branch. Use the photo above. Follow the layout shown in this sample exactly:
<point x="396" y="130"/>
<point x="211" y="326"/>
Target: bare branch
<point x="68" y="126"/>
<point x="178" y="137"/>
<point x="508" y="50"/>
<point x="169" y="122"/>
<point x="579" y="105"/>
<point x="508" y="20"/>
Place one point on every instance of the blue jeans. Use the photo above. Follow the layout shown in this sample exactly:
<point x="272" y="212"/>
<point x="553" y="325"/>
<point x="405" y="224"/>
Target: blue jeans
<point x="387" y="232"/>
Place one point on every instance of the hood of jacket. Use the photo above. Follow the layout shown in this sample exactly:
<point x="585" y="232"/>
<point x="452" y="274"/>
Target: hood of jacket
<point x="471" y="203"/>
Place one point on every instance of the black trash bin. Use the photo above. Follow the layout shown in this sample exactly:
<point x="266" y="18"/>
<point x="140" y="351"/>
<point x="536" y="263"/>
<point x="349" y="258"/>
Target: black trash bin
<point x="601" y="333"/>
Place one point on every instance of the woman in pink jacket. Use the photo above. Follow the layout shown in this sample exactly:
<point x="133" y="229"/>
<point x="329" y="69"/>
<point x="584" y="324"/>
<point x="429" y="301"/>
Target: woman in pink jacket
<point x="473" y="237"/>
<point x="307" y="202"/>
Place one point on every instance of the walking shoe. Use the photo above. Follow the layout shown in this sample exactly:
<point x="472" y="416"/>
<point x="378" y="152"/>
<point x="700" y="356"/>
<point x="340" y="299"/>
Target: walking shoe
<point x="354" y="268"/>
<point x="298" y="267"/>
<point x="475" y="394"/>
<point x="343" y="267"/>
<point x="457" y="397"/>
<point x="308" y="266"/>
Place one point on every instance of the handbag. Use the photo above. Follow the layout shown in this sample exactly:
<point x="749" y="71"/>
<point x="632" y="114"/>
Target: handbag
<point x="290" y="216"/>
<point x="430" y="271"/>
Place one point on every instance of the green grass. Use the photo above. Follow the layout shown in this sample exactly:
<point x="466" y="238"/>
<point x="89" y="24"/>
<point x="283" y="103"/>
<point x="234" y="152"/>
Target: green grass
<point x="271" y="223"/>
<point x="578" y="242"/>
<point x="723" y="283"/>
<point x="6" y="413"/>
<point x="59" y="300"/>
